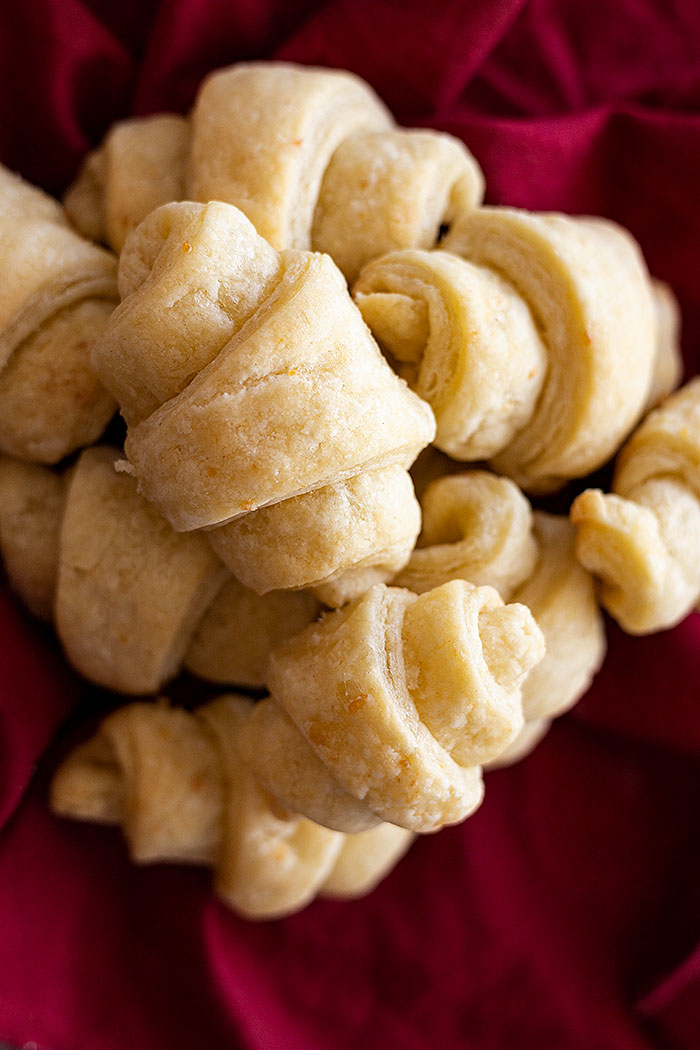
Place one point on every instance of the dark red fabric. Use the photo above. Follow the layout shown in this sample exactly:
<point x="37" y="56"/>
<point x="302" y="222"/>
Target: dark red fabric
<point x="566" y="914"/>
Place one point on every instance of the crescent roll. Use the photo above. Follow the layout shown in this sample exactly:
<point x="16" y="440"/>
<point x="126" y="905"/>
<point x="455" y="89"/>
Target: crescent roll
<point x="130" y="590"/>
<point x="248" y="379"/>
<point x="476" y="527"/>
<point x="643" y="539"/>
<point x="385" y="709"/>
<point x="32" y="499"/>
<point x="522" y="745"/>
<point x="387" y="190"/>
<point x="668" y="361"/>
<point x="480" y="527"/>
<point x="233" y="641"/>
<point x="463" y="339"/>
<point x="560" y="594"/>
<point x="263" y="134"/>
<point x="56" y="294"/>
<point x="135" y="599"/>
<point x="585" y="282"/>
<point x="176" y="783"/>
<point x="139" y="166"/>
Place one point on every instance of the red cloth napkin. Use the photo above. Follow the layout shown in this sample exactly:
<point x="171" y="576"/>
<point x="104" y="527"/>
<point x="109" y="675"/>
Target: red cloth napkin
<point x="566" y="913"/>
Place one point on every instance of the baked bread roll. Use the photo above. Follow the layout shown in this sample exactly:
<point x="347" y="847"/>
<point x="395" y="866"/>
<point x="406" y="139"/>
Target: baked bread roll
<point x="270" y="389"/>
<point x="176" y="783"/>
<point x="522" y="745"/>
<point x="130" y="590"/>
<point x="562" y="599"/>
<point x="463" y="339"/>
<point x="643" y="539"/>
<point x="371" y="520"/>
<point x="364" y="860"/>
<point x="135" y="599"/>
<point x="476" y="527"/>
<point x="56" y="295"/>
<point x="480" y="527"/>
<point x="589" y="292"/>
<point x="668" y="361"/>
<point x="234" y="639"/>
<point x="263" y="134"/>
<point x="32" y="499"/>
<point x="386" y="708"/>
<point x="139" y="166"/>
<point x="391" y="189"/>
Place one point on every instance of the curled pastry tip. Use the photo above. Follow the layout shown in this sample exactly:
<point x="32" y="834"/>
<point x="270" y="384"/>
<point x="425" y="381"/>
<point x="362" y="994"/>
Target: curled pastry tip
<point x="643" y="539"/>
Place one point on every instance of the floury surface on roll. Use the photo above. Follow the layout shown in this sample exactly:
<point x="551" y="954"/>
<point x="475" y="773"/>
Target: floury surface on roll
<point x="480" y="527"/>
<point x="175" y="781"/>
<point x="642" y="540"/>
<point x="538" y="354"/>
<point x="263" y="134"/>
<point x="311" y="156"/>
<point x="251" y="384"/>
<point x="139" y="166"/>
<point x="133" y="600"/>
<point x="57" y="291"/>
<point x="385" y="709"/>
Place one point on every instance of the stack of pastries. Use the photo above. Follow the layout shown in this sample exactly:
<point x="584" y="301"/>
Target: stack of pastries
<point x="340" y="375"/>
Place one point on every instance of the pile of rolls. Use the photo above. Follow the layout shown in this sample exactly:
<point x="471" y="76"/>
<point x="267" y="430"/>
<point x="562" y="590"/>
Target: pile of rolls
<point x="341" y="381"/>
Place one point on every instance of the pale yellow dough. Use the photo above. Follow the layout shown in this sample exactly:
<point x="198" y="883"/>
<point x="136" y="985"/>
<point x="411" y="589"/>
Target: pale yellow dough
<point x="56" y="293"/>
<point x="668" y="362"/>
<point x="390" y="705"/>
<point x="560" y="594"/>
<point x="148" y="621"/>
<point x="590" y="295"/>
<point x="263" y="135"/>
<point x="31" y="510"/>
<point x="476" y="527"/>
<point x="233" y="641"/>
<point x="464" y="340"/>
<point x="176" y="783"/>
<point x="130" y="590"/>
<point x="139" y="166"/>
<point x="480" y="527"/>
<point x="51" y="401"/>
<point x="392" y="189"/>
<point x="373" y="517"/>
<point x="522" y="745"/>
<point x="251" y="384"/>
<point x="643" y="539"/>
